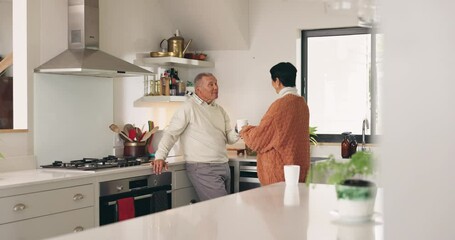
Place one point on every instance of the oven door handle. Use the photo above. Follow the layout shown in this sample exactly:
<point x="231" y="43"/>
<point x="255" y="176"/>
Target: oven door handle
<point x="135" y="198"/>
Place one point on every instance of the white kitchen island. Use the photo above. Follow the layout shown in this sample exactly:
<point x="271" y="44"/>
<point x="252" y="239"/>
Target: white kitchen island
<point x="271" y="212"/>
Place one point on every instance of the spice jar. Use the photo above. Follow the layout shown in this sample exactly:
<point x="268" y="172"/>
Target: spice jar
<point x="158" y="87"/>
<point x="166" y="89"/>
<point x="181" y="88"/>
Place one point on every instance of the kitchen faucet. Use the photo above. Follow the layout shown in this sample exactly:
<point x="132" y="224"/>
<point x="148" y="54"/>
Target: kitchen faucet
<point x="364" y="124"/>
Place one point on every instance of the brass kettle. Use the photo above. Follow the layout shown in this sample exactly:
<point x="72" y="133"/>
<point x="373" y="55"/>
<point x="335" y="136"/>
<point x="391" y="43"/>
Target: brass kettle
<point x="176" y="45"/>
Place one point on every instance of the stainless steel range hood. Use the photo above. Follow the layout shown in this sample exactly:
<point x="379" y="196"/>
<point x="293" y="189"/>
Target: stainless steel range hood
<point x="83" y="57"/>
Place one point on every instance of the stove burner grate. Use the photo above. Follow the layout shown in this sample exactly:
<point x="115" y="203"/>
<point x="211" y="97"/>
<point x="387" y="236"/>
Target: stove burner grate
<point x="96" y="163"/>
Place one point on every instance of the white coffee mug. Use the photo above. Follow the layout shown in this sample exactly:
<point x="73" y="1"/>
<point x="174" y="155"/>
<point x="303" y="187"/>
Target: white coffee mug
<point x="241" y="123"/>
<point x="291" y="174"/>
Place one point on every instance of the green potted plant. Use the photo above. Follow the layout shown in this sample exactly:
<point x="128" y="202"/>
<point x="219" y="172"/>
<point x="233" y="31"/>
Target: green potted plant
<point x="355" y="192"/>
<point x="313" y="135"/>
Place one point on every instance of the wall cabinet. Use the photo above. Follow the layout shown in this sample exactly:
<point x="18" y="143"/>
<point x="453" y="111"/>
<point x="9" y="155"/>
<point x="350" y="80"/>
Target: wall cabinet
<point x="47" y="213"/>
<point x="170" y="62"/>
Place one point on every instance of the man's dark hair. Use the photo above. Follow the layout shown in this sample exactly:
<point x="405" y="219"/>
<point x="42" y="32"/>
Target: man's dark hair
<point x="285" y="72"/>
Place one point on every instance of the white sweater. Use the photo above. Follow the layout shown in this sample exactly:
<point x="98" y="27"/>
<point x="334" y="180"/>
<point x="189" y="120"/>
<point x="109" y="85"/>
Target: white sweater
<point x="204" y="130"/>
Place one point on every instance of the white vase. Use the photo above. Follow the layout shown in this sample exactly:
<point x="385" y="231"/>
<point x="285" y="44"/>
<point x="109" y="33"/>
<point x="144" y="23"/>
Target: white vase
<point x="356" y="200"/>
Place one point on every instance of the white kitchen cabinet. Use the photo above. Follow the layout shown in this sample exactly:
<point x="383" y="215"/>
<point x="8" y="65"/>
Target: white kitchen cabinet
<point x="183" y="197"/>
<point x="49" y="225"/>
<point x="183" y="192"/>
<point x="166" y="62"/>
<point x="47" y="213"/>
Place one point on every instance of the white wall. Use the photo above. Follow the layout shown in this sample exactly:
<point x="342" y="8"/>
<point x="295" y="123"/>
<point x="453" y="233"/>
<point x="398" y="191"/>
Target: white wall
<point x="243" y="75"/>
<point x="419" y="117"/>
<point x="72" y="117"/>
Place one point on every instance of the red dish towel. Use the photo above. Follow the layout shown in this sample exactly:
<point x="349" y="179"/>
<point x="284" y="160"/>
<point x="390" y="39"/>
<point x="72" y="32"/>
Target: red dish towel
<point x="125" y="208"/>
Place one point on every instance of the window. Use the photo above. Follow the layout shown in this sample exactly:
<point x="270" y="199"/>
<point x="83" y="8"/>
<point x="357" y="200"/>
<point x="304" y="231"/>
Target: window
<point x="340" y="81"/>
<point x="6" y="70"/>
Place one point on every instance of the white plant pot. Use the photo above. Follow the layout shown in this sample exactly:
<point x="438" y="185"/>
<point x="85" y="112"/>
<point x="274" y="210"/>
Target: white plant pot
<point x="356" y="203"/>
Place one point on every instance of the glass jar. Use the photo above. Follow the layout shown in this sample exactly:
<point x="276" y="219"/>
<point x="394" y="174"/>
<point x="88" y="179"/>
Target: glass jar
<point x="158" y="89"/>
<point x="152" y="88"/>
<point x="181" y="88"/>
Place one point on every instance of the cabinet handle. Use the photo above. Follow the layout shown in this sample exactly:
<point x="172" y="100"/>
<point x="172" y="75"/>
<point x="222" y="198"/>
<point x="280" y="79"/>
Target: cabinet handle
<point x="19" y="207"/>
<point x="78" y="196"/>
<point x="78" y="229"/>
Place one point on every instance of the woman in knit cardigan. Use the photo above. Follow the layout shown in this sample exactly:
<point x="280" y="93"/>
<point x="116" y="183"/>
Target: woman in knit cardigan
<point x="282" y="136"/>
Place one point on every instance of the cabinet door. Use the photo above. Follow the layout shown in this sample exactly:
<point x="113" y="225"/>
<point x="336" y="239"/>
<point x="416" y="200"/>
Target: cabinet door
<point x="49" y="226"/>
<point x="37" y="204"/>
<point x="181" y="180"/>
<point x="183" y="197"/>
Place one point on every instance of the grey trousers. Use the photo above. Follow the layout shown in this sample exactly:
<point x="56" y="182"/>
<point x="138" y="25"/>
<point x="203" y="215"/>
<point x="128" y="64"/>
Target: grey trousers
<point x="210" y="180"/>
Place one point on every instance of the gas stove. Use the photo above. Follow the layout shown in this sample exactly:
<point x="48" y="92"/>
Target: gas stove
<point x="98" y="163"/>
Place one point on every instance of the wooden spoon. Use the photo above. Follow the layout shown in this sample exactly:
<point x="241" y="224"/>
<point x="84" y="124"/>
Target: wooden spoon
<point x="139" y="134"/>
<point x="149" y="133"/>
<point x="116" y="129"/>
<point x="127" y="128"/>
<point x="6" y="62"/>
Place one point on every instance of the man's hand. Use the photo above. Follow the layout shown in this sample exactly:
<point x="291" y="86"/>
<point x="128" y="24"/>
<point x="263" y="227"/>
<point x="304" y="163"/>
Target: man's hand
<point x="158" y="165"/>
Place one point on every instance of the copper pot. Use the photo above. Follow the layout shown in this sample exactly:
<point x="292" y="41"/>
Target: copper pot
<point x="134" y="149"/>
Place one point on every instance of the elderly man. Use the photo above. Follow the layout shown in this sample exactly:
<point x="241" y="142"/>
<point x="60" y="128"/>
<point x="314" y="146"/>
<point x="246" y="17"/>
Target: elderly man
<point x="204" y="130"/>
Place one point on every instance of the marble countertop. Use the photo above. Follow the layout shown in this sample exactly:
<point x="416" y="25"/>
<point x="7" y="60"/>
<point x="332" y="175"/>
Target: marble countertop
<point x="270" y="212"/>
<point x="25" y="177"/>
<point x="47" y="175"/>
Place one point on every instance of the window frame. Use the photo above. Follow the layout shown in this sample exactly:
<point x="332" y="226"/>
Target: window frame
<point x="305" y="34"/>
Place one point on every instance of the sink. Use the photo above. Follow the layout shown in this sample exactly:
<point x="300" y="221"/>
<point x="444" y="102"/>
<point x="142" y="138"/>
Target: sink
<point x="316" y="159"/>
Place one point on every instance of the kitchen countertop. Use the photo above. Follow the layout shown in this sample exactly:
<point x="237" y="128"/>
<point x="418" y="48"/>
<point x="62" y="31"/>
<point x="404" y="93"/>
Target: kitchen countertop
<point x="42" y="175"/>
<point x="270" y="212"/>
<point x="48" y="175"/>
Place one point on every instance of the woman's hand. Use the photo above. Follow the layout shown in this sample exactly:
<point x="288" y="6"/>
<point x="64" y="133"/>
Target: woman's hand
<point x="158" y="165"/>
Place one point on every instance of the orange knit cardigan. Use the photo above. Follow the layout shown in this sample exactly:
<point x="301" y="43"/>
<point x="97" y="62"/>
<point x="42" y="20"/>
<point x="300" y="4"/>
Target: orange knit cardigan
<point x="281" y="138"/>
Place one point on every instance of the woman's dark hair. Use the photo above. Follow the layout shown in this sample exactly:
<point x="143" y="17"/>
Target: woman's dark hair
<point x="284" y="71"/>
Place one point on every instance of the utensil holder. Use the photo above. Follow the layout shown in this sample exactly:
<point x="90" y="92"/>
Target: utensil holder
<point x="134" y="149"/>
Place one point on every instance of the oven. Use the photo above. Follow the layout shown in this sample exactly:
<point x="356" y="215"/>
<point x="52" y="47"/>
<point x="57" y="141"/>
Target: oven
<point x="248" y="175"/>
<point x="133" y="197"/>
<point x="244" y="174"/>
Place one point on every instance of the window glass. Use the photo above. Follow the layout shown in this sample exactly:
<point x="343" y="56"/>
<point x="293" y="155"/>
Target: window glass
<point x="338" y="70"/>
<point x="341" y="75"/>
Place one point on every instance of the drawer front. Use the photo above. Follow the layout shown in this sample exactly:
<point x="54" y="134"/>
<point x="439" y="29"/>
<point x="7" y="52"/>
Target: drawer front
<point x="50" y="226"/>
<point x="31" y="205"/>
<point x="181" y="180"/>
